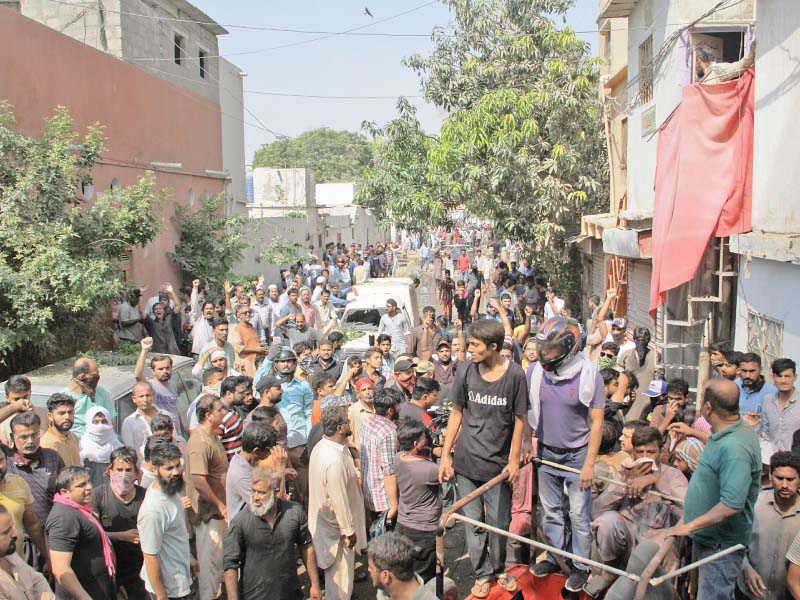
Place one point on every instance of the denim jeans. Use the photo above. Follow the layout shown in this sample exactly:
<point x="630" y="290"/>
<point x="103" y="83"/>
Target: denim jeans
<point x="717" y="579"/>
<point x="487" y="551"/>
<point x="551" y="489"/>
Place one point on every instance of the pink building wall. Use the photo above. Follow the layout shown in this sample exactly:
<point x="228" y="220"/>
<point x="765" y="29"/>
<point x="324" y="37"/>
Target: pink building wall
<point x="145" y="119"/>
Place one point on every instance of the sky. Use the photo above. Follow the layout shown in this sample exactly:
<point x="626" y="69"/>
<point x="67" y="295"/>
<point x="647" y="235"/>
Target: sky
<point x="339" y="65"/>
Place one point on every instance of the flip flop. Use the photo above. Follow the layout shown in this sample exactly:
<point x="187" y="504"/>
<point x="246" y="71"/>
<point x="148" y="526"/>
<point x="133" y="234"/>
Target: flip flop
<point x="481" y="588"/>
<point x="508" y="582"/>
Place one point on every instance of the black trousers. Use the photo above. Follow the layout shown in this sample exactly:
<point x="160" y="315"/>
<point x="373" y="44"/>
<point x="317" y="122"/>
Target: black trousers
<point x="424" y="550"/>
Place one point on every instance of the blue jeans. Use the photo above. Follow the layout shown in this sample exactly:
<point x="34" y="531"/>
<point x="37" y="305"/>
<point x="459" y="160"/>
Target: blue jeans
<point x="717" y="579"/>
<point x="551" y="489"/>
<point x="487" y="551"/>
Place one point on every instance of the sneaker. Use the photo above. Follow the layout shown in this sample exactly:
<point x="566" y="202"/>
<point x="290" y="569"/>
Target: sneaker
<point x="544" y="568"/>
<point x="576" y="580"/>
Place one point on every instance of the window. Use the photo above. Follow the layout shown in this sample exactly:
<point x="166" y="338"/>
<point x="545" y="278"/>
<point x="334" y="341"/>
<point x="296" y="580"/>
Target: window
<point x="725" y="46"/>
<point x="179" y="48"/>
<point x="202" y="58"/>
<point x="646" y="71"/>
<point x="764" y="336"/>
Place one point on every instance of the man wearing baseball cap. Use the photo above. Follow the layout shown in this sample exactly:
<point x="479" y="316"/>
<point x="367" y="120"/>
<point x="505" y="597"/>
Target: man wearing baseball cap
<point x="657" y="392"/>
<point x="403" y="379"/>
<point x="617" y="335"/>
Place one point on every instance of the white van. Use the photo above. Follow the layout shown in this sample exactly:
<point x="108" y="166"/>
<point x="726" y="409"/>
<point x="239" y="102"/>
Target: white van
<point x="363" y="314"/>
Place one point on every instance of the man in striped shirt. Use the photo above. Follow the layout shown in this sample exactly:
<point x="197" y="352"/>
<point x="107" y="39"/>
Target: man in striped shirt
<point x="378" y="446"/>
<point x="231" y="392"/>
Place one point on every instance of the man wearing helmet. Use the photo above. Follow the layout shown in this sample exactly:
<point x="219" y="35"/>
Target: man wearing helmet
<point x="567" y="400"/>
<point x="486" y="426"/>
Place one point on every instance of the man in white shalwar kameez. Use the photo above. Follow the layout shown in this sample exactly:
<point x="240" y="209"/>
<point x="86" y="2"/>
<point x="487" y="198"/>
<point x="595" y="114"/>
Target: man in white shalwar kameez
<point x="336" y="505"/>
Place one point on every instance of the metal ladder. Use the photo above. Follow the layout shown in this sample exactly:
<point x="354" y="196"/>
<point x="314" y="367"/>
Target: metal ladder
<point x="667" y="324"/>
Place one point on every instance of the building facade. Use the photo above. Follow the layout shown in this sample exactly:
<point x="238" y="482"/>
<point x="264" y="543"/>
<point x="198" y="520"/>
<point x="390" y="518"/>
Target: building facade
<point x="150" y="122"/>
<point x="660" y="41"/>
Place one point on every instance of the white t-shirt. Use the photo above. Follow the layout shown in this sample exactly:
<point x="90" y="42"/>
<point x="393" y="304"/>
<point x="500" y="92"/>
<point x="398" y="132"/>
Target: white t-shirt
<point x="548" y="310"/>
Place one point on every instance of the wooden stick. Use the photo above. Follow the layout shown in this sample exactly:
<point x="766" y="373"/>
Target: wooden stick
<point x="695" y="565"/>
<point x="548" y="548"/>
<point x="608" y="480"/>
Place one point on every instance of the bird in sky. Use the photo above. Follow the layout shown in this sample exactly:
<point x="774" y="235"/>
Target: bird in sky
<point x="366" y="12"/>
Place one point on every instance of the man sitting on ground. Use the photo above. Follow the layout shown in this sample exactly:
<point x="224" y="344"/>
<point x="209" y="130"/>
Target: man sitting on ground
<point x="625" y="515"/>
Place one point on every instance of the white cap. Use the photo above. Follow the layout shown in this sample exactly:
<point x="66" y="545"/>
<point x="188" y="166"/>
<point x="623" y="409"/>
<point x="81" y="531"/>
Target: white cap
<point x="321" y="279"/>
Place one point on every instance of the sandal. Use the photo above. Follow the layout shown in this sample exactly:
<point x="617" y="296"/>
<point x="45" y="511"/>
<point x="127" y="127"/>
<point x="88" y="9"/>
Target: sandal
<point x="481" y="588"/>
<point x="508" y="582"/>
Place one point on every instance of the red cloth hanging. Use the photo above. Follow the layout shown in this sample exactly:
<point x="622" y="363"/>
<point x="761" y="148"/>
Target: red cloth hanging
<point x="704" y="179"/>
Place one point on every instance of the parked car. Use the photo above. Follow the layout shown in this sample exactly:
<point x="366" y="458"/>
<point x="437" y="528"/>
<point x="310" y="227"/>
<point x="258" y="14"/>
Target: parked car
<point x="117" y="379"/>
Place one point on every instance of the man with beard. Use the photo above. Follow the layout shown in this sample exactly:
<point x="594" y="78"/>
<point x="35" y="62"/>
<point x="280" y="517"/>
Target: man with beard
<point x="302" y="332"/>
<point x="258" y="442"/>
<point x="87" y="392"/>
<point x="80" y="552"/>
<point x="391" y="568"/>
<point x="444" y="369"/>
<point x="130" y="322"/>
<point x="753" y="388"/>
<point x="61" y="416"/>
<point x="335" y="505"/>
<point x="394" y="324"/>
<point x="231" y="394"/>
<point x="39" y="467"/>
<point x="117" y="506"/>
<point x="206" y="469"/>
<point x="378" y="446"/>
<point x="288" y="312"/>
<point x="326" y="363"/>
<point x="18" y="581"/>
<point x="220" y="342"/>
<point x="163" y="536"/>
<point x="164" y="390"/>
<point x="775" y="524"/>
<point x="567" y="407"/>
<point x="263" y="307"/>
<point x="261" y="543"/>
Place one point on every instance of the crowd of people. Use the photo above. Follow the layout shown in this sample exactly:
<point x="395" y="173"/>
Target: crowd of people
<point x="294" y="459"/>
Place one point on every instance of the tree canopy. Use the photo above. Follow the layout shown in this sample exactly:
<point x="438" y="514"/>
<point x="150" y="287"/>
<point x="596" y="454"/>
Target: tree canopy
<point x="397" y="187"/>
<point x="333" y="156"/>
<point x="523" y="145"/>
<point x="60" y="259"/>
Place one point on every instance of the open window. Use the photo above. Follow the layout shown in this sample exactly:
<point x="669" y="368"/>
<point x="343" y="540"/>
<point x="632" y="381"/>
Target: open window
<point x="726" y="44"/>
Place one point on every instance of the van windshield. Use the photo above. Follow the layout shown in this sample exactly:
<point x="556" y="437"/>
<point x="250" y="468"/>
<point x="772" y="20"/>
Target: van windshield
<point x="363" y="318"/>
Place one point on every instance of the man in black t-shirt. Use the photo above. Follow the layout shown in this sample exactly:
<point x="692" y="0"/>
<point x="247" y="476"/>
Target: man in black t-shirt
<point x="490" y="401"/>
<point x="117" y="505"/>
<point x="76" y="540"/>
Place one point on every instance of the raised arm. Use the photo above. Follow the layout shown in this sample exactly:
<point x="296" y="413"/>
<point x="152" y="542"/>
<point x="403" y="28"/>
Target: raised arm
<point x="138" y="370"/>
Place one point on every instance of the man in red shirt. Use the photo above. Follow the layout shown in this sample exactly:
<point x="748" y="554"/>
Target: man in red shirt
<point x="463" y="264"/>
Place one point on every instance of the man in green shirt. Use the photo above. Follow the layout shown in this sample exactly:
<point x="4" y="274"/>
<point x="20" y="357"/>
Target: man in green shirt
<point x="87" y="393"/>
<point x="718" y="512"/>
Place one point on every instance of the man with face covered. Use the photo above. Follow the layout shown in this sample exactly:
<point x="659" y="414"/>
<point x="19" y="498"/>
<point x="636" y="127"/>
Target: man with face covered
<point x="261" y="543"/>
<point x="163" y="537"/>
<point x="117" y="506"/>
<point x="87" y="392"/>
<point x="18" y="581"/>
<point x="423" y="339"/>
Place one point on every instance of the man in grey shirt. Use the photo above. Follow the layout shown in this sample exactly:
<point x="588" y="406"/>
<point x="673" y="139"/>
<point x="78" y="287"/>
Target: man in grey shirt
<point x="303" y="333"/>
<point x="780" y="413"/>
<point x="258" y="442"/>
<point x="163" y="537"/>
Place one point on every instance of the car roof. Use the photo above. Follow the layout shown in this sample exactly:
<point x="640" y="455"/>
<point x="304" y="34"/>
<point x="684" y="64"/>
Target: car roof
<point x="117" y="379"/>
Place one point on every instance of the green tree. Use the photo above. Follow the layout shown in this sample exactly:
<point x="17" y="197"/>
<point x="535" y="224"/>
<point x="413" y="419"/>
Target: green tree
<point x="332" y="155"/>
<point x="397" y="187"/>
<point x="60" y="258"/>
<point x="210" y="243"/>
<point x="523" y="145"/>
<point x="279" y="251"/>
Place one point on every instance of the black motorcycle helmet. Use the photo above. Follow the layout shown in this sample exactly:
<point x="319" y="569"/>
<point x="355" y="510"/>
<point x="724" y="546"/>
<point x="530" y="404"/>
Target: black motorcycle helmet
<point x="285" y="364"/>
<point x="557" y="339"/>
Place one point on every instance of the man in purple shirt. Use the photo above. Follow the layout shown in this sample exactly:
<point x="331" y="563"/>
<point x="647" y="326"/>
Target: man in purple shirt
<point x="567" y="400"/>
